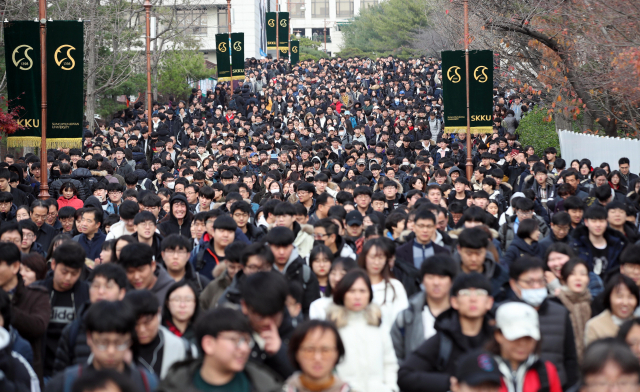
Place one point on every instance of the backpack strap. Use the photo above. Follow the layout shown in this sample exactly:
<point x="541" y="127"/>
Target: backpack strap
<point x="200" y="258"/>
<point x="541" y="369"/>
<point x="70" y="376"/>
<point x="306" y="275"/>
<point x="446" y="345"/>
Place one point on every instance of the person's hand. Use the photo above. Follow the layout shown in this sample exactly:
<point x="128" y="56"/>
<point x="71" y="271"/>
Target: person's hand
<point x="271" y="337"/>
<point x="508" y="158"/>
<point x="342" y="169"/>
<point x="549" y="276"/>
<point x="443" y="203"/>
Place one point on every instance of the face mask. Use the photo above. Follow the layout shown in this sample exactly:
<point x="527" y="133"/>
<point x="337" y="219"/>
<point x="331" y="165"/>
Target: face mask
<point x="534" y="297"/>
<point x="341" y="133"/>
<point x="224" y="134"/>
<point x="171" y="185"/>
<point x="274" y="191"/>
<point x="397" y="101"/>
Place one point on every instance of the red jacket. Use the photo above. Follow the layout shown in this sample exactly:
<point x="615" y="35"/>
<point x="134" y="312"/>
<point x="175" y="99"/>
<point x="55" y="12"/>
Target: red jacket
<point x="532" y="381"/>
<point x="73" y="202"/>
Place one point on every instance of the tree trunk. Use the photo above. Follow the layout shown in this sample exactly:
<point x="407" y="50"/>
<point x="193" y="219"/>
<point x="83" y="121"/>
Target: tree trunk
<point x="612" y="128"/>
<point x="91" y="66"/>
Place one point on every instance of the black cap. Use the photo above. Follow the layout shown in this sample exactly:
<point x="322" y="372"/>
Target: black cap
<point x="478" y="367"/>
<point x="354" y="218"/>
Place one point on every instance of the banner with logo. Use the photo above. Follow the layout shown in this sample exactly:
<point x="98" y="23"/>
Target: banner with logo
<point x="283" y="31"/>
<point x="295" y="52"/>
<point x="480" y="91"/>
<point x="271" y="30"/>
<point x="222" y="57"/>
<point x="22" y="59"/>
<point x="237" y="55"/>
<point x="65" y="96"/>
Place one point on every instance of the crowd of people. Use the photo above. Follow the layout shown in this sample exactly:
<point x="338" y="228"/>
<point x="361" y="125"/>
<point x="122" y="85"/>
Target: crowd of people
<point x="313" y="229"/>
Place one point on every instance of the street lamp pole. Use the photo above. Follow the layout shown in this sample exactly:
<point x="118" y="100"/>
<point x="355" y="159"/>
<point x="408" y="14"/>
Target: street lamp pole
<point x="230" y="48"/>
<point x="325" y="36"/>
<point x="44" y="184"/>
<point x="289" y="29"/>
<point x="277" y="30"/>
<point x="147" y="8"/>
<point x="466" y="70"/>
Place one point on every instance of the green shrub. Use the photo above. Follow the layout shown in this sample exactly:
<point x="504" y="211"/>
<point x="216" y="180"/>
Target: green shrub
<point x="537" y="132"/>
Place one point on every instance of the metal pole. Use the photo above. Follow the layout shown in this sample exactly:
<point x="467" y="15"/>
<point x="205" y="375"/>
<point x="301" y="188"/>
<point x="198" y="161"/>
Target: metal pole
<point x="466" y="70"/>
<point x="277" y="30"/>
<point x="289" y="29"/>
<point x="230" y="48"/>
<point x="325" y="36"/>
<point x="44" y="184"/>
<point x="147" y="8"/>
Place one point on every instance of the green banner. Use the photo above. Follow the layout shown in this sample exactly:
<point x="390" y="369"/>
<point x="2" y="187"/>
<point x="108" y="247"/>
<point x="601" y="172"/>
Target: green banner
<point x="271" y="30"/>
<point x="222" y="57"/>
<point x="295" y="52"/>
<point x="480" y="91"/>
<point x="22" y="59"/>
<point x="65" y="96"/>
<point x="237" y="55"/>
<point x="283" y="31"/>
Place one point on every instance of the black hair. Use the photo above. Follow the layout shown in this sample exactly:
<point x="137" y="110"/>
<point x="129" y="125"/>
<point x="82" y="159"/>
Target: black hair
<point x="221" y="319"/>
<point x="128" y="209"/>
<point x="329" y="226"/>
<point x="473" y="238"/>
<point x="301" y="332"/>
<point x="70" y="254"/>
<point x="121" y="317"/>
<point x="425" y="214"/>
<point x="135" y="255"/>
<point x="233" y="251"/>
<point x="176" y="241"/>
<point x="618" y="280"/>
<point x="29" y="225"/>
<point x="559" y="247"/>
<point x="471" y="280"/>
<point x="166" y="313"/>
<point x="296" y="291"/>
<point x="144" y="216"/>
<point x="440" y="264"/>
<point x="265" y="292"/>
<point x="347" y="281"/>
<point x="143" y="303"/>
<point x="320" y="250"/>
<point x="393" y="219"/>
<point x="561" y="219"/>
<point x="362" y="190"/>
<point x="284" y="209"/>
<point x="256" y="249"/>
<point x="631" y="255"/>
<point x="524" y="204"/>
<point x="474" y="214"/>
<point x="110" y="271"/>
<point x="599" y="353"/>
<point x="527" y="227"/>
<point x="573" y="203"/>
<point x="596" y="213"/>
<point x="569" y="266"/>
<point x="280" y="236"/>
<point x="98" y="380"/>
<point x="66" y="212"/>
<point x="225" y="222"/>
<point x="625" y="328"/>
<point x="524" y="264"/>
<point x="241" y="206"/>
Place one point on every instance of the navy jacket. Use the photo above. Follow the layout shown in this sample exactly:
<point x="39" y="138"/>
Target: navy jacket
<point x="616" y="242"/>
<point x="92" y="247"/>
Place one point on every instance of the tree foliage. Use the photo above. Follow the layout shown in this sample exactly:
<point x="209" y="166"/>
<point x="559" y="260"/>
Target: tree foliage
<point x="387" y="26"/>
<point x="180" y="67"/>
<point x="536" y="131"/>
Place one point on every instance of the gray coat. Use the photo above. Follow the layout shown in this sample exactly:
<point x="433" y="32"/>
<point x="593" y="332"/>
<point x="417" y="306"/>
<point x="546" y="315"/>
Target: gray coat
<point x="407" y="332"/>
<point x="506" y="233"/>
<point x="510" y="123"/>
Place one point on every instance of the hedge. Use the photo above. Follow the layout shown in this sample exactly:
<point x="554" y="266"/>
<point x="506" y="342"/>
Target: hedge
<point x="537" y="132"/>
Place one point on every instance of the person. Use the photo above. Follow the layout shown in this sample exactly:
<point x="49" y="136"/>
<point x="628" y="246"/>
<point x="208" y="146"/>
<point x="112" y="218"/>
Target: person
<point x="459" y="330"/>
<point x="241" y="211"/>
<point x="69" y="196"/>
<point x="110" y="339"/>
<point x="108" y="283"/>
<point x="119" y="244"/>
<point x="629" y="333"/>
<point x="339" y="268"/>
<point x="16" y="343"/>
<point x="156" y="348"/>
<point x="291" y="265"/>
<point x="263" y="297"/>
<point x="285" y="214"/>
<point x="125" y="226"/>
<point x="327" y="232"/>
<point x="91" y="237"/>
<point x="608" y="364"/>
<point x="178" y="220"/>
<point x="597" y="244"/>
<point x="575" y="296"/>
<point x="145" y="226"/>
<point x="369" y="363"/>
<point x="181" y="310"/>
<point x="175" y="253"/>
<point x="212" y="253"/>
<point x="315" y="349"/>
<point x="211" y="294"/>
<point x="38" y="213"/>
<point x="320" y="260"/>
<point x="525" y="242"/>
<point x="477" y="371"/>
<point x="527" y="284"/>
<point x="28" y="244"/>
<point x="620" y="300"/>
<point x="143" y="272"/>
<point x="224" y="336"/>
<point x="67" y="293"/>
<point x="514" y="345"/>
<point x="472" y="256"/>
<point x="388" y="293"/>
<point x="32" y="268"/>
<point x="411" y="254"/>
<point x="416" y="324"/>
<point x="560" y="231"/>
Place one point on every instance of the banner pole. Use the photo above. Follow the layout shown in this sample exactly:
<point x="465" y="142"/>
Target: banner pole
<point x="147" y="9"/>
<point x="230" y="47"/>
<point x="289" y="29"/>
<point x="44" y="183"/>
<point x="278" y="30"/>
<point x="466" y="70"/>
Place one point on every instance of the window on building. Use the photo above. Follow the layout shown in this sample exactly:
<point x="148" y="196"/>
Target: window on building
<point x="318" y="34"/>
<point x="344" y="8"/>
<point x="223" y="22"/>
<point x="297" y="9"/>
<point x="368" y="3"/>
<point x="193" y="21"/>
<point x="319" y="8"/>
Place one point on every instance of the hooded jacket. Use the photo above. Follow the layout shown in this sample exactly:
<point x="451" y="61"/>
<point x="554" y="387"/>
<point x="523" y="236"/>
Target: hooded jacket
<point x="170" y="225"/>
<point x="497" y="275"/>
<point x="616" y="242"/>
<point x="519" y="248"/>
<point x="506" y="234"/>
<point x="18" y="376"/>
<point x="423" y="366"/>
<point x="297" y="270"/>
<point x="77" y="351"/>
<point x="407" y="332"/>
<point x="162" y="285"/>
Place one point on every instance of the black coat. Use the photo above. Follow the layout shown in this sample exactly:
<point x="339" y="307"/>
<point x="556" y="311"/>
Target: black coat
<point x="73" y="352"/>
<point x="404" y="269"/>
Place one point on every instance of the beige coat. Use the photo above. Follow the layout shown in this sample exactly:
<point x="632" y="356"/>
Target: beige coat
<point x="601" y="326"/>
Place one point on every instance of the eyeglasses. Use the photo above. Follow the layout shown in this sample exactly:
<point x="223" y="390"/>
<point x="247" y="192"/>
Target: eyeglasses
<point x="147" y="224"/>
<point x="171" y="252"/>
<point x="470" y="292"/>
<point x="240" y="215"/>
<point x="238" y="341"/>
<point x="533" y="282"/>
<point x="104" y="345"/>
<point x="319" y="236"/>
<point x="29" y="236"/>
<point x="623" y="385"/>
<point x="99" y="287"/>
<point x="182" y="300"/>
<point x="310" y="352"/>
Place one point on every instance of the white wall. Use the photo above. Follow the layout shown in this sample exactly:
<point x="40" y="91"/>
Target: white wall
<point x="599" y="149"/>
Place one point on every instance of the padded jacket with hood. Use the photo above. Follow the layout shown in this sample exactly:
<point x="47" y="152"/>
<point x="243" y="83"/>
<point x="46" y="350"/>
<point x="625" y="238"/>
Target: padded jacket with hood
<point x="294" y="270"/>
<point x="616" y="242"/>
<point x="498" y="275"/>
<point x="169" y="225"/>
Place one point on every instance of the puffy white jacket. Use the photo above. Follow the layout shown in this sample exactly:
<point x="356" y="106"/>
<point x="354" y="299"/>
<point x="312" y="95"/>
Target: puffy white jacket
<point x="392" y="299"/>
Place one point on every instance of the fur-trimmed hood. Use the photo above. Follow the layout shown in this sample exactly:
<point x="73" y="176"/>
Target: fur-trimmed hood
<point x="455" y="233"/>
<point x="340" y="316"/>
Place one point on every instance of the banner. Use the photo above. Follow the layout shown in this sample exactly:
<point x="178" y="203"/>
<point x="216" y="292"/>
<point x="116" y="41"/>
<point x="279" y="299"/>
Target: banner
<point x="22" y="59"/>
<point x="295" y="52"/>
<point x="271" y="30"/>
<point x="237" y="55"/>
<point x="480" y="91"/>
<point x="222" y="57"/>
<point x="284" y="53"/>
<point x="65" y="96"/>
<point x="283" y="31"/>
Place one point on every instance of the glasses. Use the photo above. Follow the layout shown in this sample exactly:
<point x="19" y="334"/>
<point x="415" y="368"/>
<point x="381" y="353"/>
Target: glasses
<point x="29" y="236"/>
<point x="147" y="224"/>
<point x="525" y="213"/>
<point x="470" y="292"/>
<point x="310" y="352"/>
<point x="104" y="345"/>
<point x="623" y="385"/>
<point x="172" y="252"/>
<point x="240" y="216"/>
<point x="319" y="236"/>
<point x="182" y="300"/>
<point x="533" y="282"/>
<point x="238" y="341"/>
<point x="210" y="221"/>
<point x="108" y="286"/>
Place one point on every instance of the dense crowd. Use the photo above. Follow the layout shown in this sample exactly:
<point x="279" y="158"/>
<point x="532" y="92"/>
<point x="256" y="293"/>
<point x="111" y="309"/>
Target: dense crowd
<point x="312" y="228"/>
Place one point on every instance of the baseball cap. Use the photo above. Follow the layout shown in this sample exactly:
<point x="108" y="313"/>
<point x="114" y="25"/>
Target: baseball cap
<point x="354" y="218"/>
<point x="516" y="320"/>
<point x="478" y="367"/>
<point x="253" y="154"/>
<point x="360" y="162"/>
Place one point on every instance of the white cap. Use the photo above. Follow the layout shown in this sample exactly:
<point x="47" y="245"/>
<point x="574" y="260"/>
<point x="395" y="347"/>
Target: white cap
<point x="516" y="320"/>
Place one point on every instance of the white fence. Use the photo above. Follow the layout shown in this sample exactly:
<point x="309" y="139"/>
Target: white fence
<point x="599" y="149"/>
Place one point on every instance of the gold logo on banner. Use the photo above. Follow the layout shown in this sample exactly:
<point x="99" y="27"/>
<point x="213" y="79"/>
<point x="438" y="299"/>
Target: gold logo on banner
<point x="294" y="49"/>
<point x="482" y="77"/>
<point x="237" y="46"/>
<point x="25" y="63"/>
<point x="456" y="76"/>
<point x="283" y="23"/>
<point x="66" y="63"/>
<point x="29" y="123"/>
<point x="271" y="22"/>
<point x="222" y="47"/>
